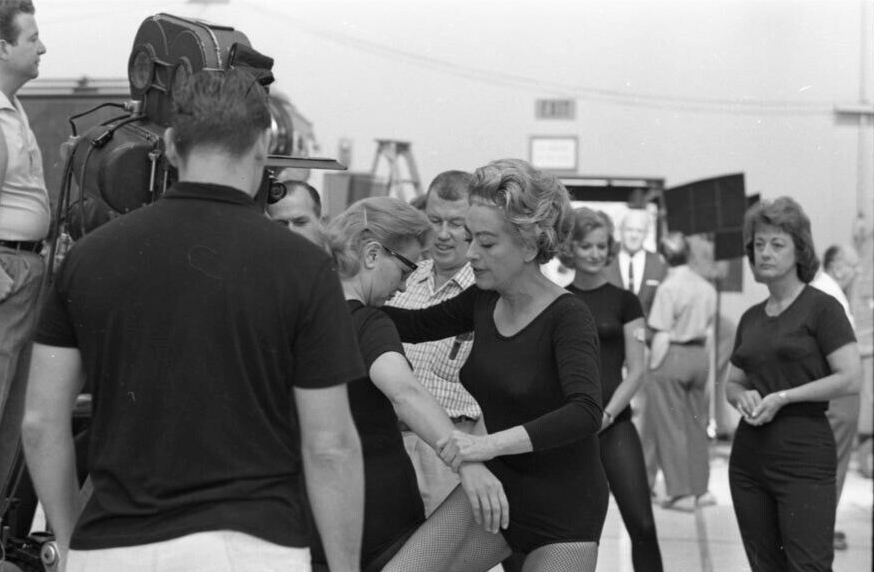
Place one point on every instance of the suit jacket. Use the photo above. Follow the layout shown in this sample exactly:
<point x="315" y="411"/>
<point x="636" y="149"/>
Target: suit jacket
<point x="654" y="271"/>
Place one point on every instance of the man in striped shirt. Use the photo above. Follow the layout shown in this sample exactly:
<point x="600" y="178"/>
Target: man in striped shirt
<point x="436" y="364"/>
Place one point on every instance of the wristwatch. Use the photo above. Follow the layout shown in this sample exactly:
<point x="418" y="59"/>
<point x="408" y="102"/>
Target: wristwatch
<point x="782" y="395"/>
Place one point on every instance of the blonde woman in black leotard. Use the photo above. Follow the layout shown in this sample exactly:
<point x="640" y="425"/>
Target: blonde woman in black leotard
<point x="534" y="369"/>
<point x="619" y="316"/>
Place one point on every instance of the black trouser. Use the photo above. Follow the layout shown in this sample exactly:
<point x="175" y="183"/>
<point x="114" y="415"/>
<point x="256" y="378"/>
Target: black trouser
<point x="622" y="457"/>
<point x="782" y="480"/>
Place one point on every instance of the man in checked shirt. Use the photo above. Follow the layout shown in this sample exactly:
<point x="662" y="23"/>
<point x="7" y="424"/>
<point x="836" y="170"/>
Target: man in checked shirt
<point x="436" y="364"/>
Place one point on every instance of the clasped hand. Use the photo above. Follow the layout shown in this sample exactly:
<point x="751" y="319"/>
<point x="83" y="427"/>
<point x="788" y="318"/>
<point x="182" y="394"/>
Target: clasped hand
<point x="757" y="410"/>
<point x="463" y="453"/>
<point x="461" y="447"/>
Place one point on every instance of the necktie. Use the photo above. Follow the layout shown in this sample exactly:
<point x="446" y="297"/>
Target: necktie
<point x="631" y="275"/>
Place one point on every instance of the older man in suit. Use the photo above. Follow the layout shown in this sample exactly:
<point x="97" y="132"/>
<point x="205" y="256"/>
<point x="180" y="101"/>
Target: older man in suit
<point x="641" y="271"/>
<point x="636" y="268"/>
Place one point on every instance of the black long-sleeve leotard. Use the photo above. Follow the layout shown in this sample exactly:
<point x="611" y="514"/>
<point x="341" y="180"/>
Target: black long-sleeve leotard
<point x="545" y="378"/>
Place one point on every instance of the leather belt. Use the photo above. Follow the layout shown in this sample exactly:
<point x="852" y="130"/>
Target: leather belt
<point x="698" y="342"/>
<point x="34" y="246"/>
<point x="455" y="421"/>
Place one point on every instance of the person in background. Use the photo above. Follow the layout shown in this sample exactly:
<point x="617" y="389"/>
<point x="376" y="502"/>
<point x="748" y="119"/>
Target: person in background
<point x="436" y="364"/>
<point x="619" y="317"/>
<point x="374" y="243"/>
<point x="218" y="370"/>
<point x="680" y="318"/>
<point x="793" y="353"/>
<point x="300" y="210"/>
<point x="534" y="370"/>
<point x="639" y="271"/>
<point x="840" y="266"/>
<point x="24" y="220"/>
<point x="418" y="202"/>
<point x="634" y="268"/>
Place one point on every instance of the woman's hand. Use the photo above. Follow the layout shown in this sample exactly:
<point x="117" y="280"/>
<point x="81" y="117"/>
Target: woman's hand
<point x="766" y="409"/>
<point x="606" y="421"/>
<point x="746" y="403"/>
<point x="486" y="495"/>
<point x="462" y="447"/>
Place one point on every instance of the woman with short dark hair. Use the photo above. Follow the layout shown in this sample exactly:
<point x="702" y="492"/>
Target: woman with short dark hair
<point x="792" y="354"/>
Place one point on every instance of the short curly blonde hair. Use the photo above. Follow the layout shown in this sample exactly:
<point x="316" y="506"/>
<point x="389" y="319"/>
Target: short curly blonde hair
<point x="386" y="220"/>
<point x="536" y="204"/>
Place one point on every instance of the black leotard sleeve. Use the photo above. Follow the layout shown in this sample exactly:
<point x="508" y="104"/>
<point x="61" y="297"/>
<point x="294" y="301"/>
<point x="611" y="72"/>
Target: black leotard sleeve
<point x="450" y="318"/>
<point x="576" y="351"/>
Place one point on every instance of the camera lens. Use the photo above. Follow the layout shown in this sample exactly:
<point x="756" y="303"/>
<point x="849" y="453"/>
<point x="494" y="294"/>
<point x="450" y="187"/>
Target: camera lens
<point x="141" y="68"/>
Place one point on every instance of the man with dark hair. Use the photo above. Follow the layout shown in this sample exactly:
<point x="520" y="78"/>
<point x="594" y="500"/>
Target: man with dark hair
<point x="218" y="370"/>
<point x="24" y="219"/>
<point x="300" y="210"/>
<point x="437" y="364"/>
<point x="681" y="315"/>
<point x="840" y="267"/>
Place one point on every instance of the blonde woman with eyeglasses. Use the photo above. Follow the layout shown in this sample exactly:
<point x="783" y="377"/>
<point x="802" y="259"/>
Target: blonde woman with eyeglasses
<point x="375" y="244"/>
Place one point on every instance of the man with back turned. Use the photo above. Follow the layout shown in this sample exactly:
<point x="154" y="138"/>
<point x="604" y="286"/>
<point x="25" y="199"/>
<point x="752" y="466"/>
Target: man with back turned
<point x="218" y="370"/>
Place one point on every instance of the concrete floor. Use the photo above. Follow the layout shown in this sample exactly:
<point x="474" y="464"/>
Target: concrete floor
<point x="709" y="539"/>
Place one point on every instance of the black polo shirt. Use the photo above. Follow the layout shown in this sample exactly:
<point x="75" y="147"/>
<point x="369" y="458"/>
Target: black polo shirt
<point x="195" y="316"/>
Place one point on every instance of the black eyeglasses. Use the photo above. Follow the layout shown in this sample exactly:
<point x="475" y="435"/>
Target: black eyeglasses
<point x="412" y="266"/>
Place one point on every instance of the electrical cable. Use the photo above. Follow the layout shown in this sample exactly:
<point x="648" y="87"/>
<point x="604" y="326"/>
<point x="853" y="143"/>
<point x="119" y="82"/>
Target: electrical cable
<point x="90" y="111"/>
<point x="632" y="99"/>
<point x="63" y="202"/>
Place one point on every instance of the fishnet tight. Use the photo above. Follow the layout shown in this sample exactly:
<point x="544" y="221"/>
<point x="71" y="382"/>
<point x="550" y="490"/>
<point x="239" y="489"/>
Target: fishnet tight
<point x="451" y="541"/>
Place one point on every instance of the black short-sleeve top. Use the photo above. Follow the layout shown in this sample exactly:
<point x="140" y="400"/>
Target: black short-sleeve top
<point x="373" y="412"/>
<point x="196" y="318"/>
<point x="612" y="308"/>
<point x="392" y="503"/>
<point x="791" y="349"/>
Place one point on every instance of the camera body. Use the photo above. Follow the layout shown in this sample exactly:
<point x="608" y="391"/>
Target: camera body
<point x="121" y="162"/>
<point x="120" y="165"/>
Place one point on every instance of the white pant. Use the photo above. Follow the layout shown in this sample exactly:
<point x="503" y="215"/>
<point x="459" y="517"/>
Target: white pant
<point x="214" y="551"/>
<point x="436" y="480"/>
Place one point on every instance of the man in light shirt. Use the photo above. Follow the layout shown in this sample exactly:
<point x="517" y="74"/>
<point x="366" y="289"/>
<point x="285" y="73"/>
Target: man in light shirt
<point x="840" y="266"/>
<point x="437" y="364"/>
<point x="681" y="316"/>
<point x="24" y="219"/>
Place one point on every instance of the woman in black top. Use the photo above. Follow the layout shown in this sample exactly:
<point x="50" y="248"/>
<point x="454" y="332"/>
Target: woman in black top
<point x="792" y="354"/>
<point x="374" y="243"/>
<point x="620" y="322"/>
<point x="533" y="369"/>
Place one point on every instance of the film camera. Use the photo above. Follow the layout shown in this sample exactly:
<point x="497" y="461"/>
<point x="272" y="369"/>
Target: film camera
<point x="119" y="165"/>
